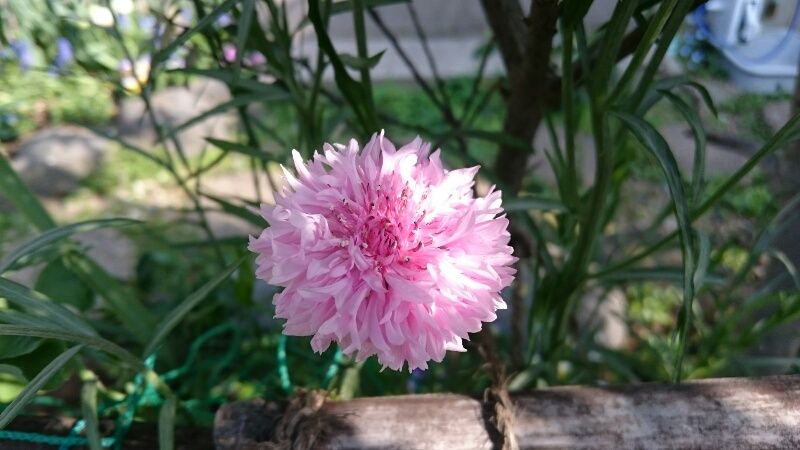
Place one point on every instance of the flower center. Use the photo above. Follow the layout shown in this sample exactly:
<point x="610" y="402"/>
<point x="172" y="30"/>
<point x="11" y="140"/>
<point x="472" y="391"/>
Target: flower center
<point x="379" y="238"/>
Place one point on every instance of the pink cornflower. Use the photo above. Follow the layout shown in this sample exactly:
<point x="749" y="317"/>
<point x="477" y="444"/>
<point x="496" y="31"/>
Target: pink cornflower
<point x="384" y="252"/>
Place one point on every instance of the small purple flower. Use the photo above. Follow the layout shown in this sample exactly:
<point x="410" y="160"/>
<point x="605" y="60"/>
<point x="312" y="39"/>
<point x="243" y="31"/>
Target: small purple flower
<point x="185" y="17"/>
<point x="225" y="20"/>
<point x="64" y="53"/>
<point x="123" y="21"/>
<point x="229" y="53"/>
<point x="24" y="53"/>
<point x="254" y="58"/>
<point x="417" y="375"/>
<point x="147" y="23"/>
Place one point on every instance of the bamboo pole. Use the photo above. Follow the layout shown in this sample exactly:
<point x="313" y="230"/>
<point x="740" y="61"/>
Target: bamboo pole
<point x="730" y="413"/>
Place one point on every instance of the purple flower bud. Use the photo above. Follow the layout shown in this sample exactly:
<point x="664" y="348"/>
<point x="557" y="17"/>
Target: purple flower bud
<point x="23" y="52"/>
<point x="64" y="53"/>
<point x="225" y="20"/>
<point x="254" y="59"/>
<point x="147" y="23"/>
<point x="185" y="17"/>
<point x="123" y="21"/>
<point x="229" y="53"/>
<point x="412" y="384"/>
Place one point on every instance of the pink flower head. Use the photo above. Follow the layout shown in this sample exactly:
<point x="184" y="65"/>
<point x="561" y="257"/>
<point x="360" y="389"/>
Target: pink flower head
<point x="384" y="252"/>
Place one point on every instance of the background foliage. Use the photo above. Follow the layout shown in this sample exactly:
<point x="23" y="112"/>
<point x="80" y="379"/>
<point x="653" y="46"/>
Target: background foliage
<point x="179" y="338"/>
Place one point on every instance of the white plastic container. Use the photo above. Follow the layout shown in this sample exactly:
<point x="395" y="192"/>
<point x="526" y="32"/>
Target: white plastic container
<point x="748" y="69"/>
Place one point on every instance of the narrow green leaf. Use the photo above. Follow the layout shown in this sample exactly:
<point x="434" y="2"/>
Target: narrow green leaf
<point x="269" y="91"/>
<point x="354" y="92"/>
<point x="63" y="286"/>
<point x="658" y="52"/>
<point x="27" y="394"/>
<point x="39" y="305"/>
<point x="359" y="63"/>
<point x="166" y="424"/>
<point x="655" y="144"/>
<point x="15" y="191"/>
<point x="235" y="210"/>
<point x="210" y="18"/>
<point x="11" y="317"/>
<point x="657" y="23"/>
<point x="786" y="217"/>
<point x="56" y="234"/>
<point x="175" y="316"/>
<point x="242" y="31"/>
<point x="240" y="148"/>
<point x="573" y="11"/>
<point x="789" y="265"/>
<point x="609" y="46"/>
<point x="788" y="133"/>
<point x="699" y="133"/>
<point x="89" y="412"/>
<point x="497" y="137"/>
<point x="14" y="346"/>
<point x="705" y="96"/>
<point x="126" y="307"/>
<point x="53" y="332"/>
<point x="235" y="102"/>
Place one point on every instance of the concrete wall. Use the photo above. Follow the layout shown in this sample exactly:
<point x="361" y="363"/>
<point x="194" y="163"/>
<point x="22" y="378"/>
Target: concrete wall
<point x="455" y="29"/>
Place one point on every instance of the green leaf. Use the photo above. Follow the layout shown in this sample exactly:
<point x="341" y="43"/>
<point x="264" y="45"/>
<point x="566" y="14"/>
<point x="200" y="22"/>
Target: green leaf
<point x="54" y="235"/>
<point x="651" y="34"/>
<point x="356" y="94"/>
<point x="699" y="133"/>
<point x="14" y="346"/>
<point x="34" y="362"/>
<point x="123" y="304"/>
<point x="27" y="394"/>
<point x="497" y="137"/>
<point x="62" y="285"/>
<point x="235" y="102"/>
<point x="235" y="210"/>
<point x="655" y="144"/>
<point x="609" y="46"/>
<point x="346" y="5"/>
<point x="573" y="11"/>
<point x="242" y="30"/>
<point x="89" y="412"/>
<point x="240" y="148"/>
<point x="786" y="218"/>
<point x="269" y="91"/>
<point x="62" y="335"/>
<point x="38" y="304"/>
<point x="788" y="133"/>
<point x="358" y="63"/>
<point x="175" y="316"/>
<point x="15" y="191"/>
<point x="164" y="53"/>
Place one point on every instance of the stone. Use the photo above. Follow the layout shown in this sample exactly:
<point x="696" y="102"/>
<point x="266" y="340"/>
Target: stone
<point x="112" y="250"/>
<point x="53" y="161"/>
<point x="777" y="114"/>
<point x="172" y="107"/>
<point x="605" y="312"/>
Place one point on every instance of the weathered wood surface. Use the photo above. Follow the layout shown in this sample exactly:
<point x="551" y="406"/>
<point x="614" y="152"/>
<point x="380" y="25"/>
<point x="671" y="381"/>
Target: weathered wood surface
<point x="732" y="413"/>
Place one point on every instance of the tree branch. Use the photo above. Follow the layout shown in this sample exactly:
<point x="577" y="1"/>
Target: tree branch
<point x="528" y="81"/>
